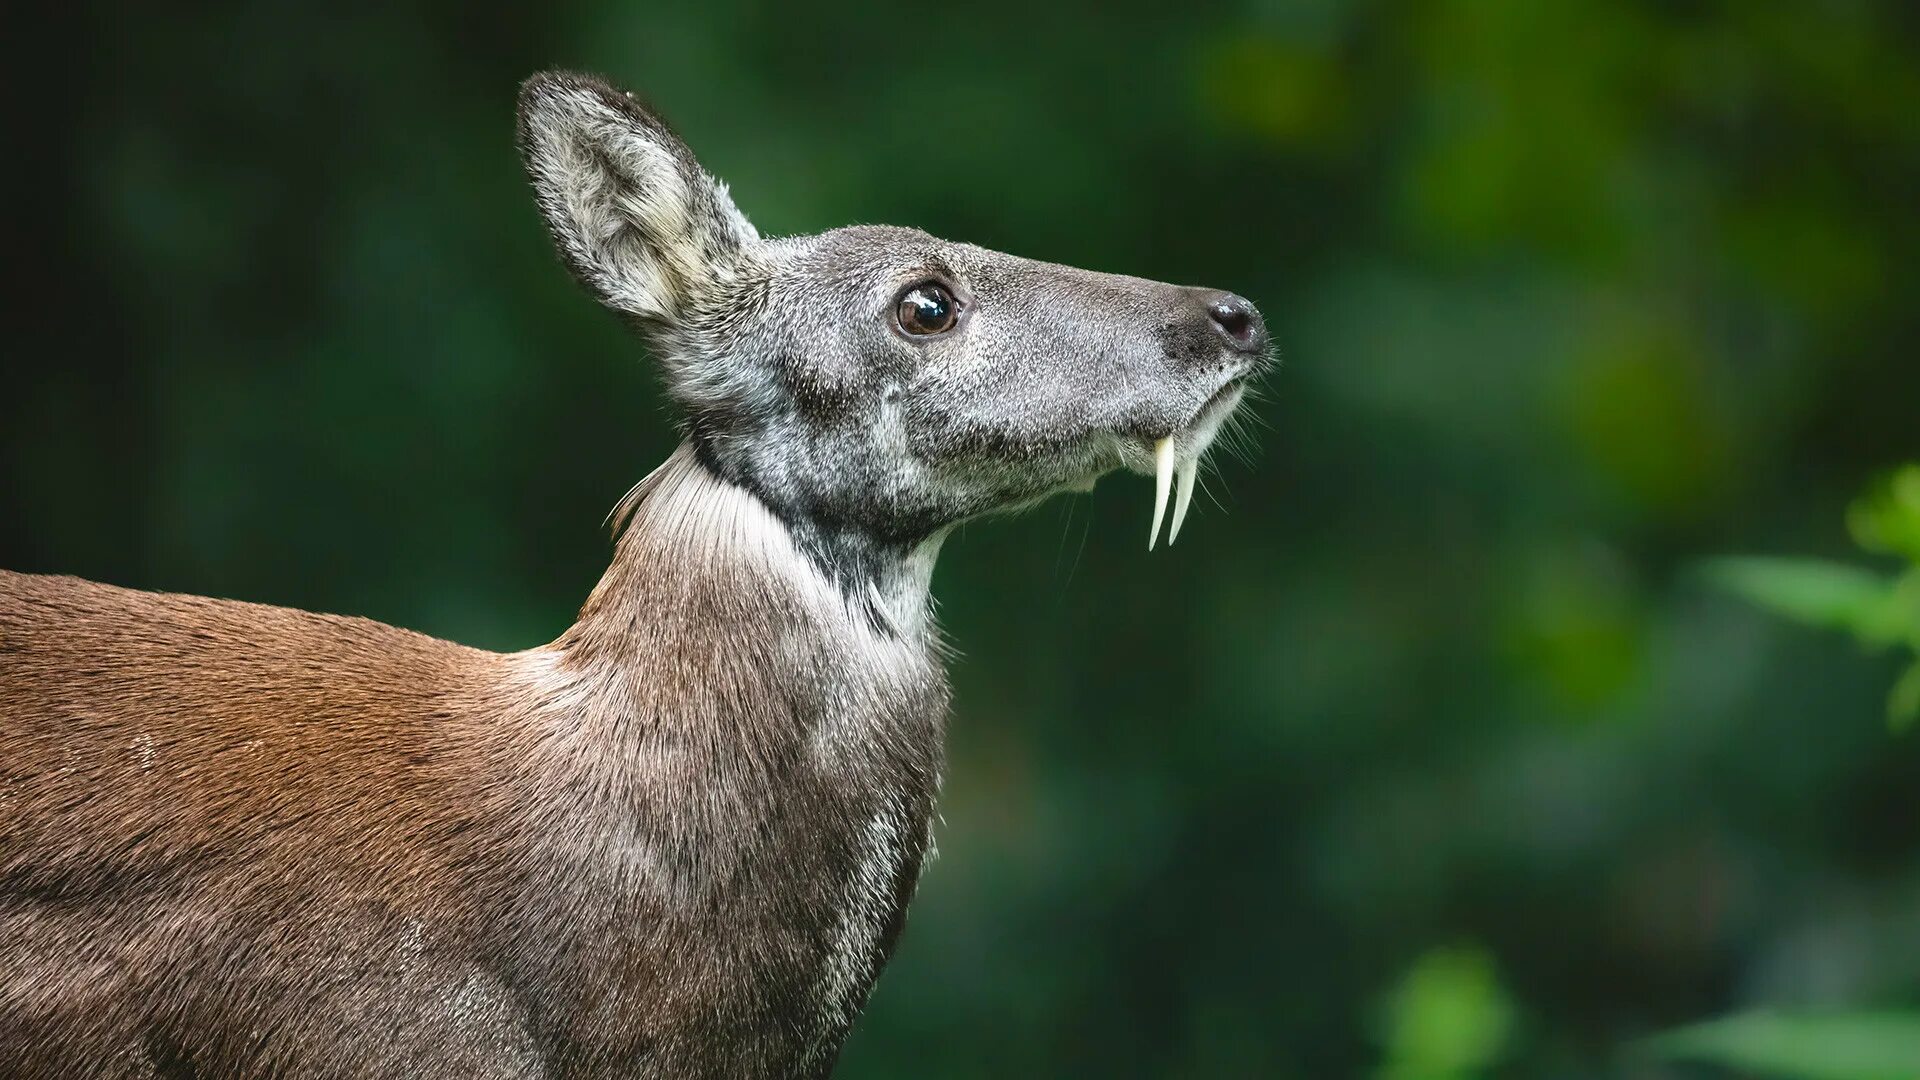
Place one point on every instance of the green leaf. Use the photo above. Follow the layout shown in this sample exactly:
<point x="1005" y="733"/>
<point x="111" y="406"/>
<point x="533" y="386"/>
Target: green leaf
<point x="1887" y="517"/>
<point x="1903" y="705"/>
<point x="1852" y="1046"/>
<point x="1906" y="593"/>
<point x="1448" y="1019"/>
<point x="1818" y="593"/>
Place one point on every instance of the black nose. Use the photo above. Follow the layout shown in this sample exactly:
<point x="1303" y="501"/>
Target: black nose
<point x="1236" y="320"/>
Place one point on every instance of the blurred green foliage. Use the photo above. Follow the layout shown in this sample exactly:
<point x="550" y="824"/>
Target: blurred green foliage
<point x="1879" y="610"/>
<point x="1448" y="1019"/>
<point x="1866" y="1046"/>
<point x="1570" y="296"/>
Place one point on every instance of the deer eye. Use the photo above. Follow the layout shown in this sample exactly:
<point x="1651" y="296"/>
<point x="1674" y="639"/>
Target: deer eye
<point x="927" y="309"/>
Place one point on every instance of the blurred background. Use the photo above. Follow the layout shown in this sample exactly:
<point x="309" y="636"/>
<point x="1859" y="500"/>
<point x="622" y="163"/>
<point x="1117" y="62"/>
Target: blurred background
<point x="1431" y="753"/>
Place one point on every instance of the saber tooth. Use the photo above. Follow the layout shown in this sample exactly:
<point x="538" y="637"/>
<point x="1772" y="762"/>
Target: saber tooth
<point x="1183" y="497"/>
<point x="1162" y="480"/>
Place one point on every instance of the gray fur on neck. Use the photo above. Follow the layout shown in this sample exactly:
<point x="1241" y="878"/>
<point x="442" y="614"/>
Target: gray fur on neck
<point x="885" y="580"/>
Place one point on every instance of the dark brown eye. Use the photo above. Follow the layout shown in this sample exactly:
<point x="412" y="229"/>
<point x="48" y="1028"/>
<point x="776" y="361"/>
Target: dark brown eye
<point x="927" y="309"/>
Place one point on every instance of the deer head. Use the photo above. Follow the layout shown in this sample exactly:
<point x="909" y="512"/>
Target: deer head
<point x="875" y="385"/>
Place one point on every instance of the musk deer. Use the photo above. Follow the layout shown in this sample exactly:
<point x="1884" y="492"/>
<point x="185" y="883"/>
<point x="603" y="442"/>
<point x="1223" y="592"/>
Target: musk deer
<point x="678" y="841"/>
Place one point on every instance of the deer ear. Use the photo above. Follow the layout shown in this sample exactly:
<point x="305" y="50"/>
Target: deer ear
<point x="635" y="217"/>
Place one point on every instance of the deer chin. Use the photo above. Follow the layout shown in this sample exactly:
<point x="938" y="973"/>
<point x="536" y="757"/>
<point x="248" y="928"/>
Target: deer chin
<point x="1174" y="459"/>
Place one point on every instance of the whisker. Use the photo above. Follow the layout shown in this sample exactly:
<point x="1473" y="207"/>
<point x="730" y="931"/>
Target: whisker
<point x="1080" y="549"/>
<point x="1066" y="528"/>
<point x="1208" y="491"/>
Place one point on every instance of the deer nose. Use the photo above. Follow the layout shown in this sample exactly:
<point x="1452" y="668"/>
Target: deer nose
<point x="1235" y="318"/>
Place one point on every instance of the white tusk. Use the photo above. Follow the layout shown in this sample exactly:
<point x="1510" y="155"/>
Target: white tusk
<point x="1162" y="480"/>
<point x="1183" y="497"/>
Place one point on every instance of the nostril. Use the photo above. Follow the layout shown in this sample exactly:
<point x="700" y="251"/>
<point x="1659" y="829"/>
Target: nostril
<point x="1233" y="316"/>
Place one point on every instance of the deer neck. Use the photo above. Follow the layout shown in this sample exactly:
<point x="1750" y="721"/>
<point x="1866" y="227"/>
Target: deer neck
<point x="712" y="602"/>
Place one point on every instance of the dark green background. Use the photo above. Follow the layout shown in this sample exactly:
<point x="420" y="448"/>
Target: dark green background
<point x="1569" y="296"/>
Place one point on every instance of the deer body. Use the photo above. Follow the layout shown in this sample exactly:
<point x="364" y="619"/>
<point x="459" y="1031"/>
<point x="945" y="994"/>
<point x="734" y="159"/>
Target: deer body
<point x="678" y="841"/>
<point x="466" y="864"/>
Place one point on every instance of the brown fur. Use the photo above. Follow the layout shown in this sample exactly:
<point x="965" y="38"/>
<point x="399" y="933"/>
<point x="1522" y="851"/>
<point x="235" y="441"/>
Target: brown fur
<point x="239" y="840"/>
<point x="192" y="788"/>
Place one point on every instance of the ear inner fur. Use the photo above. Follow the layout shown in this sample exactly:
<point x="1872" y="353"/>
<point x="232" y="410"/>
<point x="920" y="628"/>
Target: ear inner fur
<point x="635" y="216"/>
